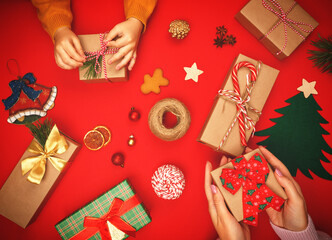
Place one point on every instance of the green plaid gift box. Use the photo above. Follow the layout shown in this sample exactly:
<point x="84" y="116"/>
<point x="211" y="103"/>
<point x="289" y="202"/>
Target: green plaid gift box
<point x="137" y="217"/>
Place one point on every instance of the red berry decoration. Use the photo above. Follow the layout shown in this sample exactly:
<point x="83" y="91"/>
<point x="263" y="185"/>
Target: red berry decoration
<point x="134" y="115"/>
<point x="118" y="159"/>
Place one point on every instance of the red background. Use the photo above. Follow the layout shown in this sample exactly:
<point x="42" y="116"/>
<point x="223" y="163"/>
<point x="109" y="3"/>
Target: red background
<point x="80" y="106"/>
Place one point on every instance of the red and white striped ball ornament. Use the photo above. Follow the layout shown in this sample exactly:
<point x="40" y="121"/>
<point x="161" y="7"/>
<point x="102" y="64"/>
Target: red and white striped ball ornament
<point x="168" y="182"/>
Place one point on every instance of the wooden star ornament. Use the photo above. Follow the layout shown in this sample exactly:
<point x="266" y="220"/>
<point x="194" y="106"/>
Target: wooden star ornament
<point x="192" y="72"/>
<point x="307" y="88"/>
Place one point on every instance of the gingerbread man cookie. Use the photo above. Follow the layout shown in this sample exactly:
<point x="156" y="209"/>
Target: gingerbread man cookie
<point x="152" y="84"/>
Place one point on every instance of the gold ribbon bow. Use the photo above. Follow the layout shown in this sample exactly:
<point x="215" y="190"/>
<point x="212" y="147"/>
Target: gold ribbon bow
<point x="55" y="144"/>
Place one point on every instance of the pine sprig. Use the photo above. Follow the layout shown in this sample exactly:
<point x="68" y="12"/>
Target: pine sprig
<point x="41" y="131"/>
<point x="91" y="73"/>
<point x="322" y="57"/>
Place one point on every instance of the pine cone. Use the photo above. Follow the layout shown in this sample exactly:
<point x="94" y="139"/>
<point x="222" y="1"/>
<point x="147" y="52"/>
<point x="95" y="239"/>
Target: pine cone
<point x="179" y="29"/>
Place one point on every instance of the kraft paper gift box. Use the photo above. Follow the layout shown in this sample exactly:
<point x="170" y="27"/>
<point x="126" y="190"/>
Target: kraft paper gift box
<point x="102" y="211"/>
<point x="93" y="43"/>
<point x="268" y="28"/>
<point x="236" y="202"/>
<point x="21" y="200"/>
<point x="224" y="111"/>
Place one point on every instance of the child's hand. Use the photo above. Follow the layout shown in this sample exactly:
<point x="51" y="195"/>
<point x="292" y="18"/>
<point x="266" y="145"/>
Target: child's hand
<point x="68" y="51"/>
<point x="294" y="214"/>
<point x="225" y="224"/>
<point x="125" y="36"/>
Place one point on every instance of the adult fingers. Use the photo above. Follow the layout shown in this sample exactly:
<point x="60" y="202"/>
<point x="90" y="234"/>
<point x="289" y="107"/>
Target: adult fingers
<point x="219" y="203"/>
<point x="74" y="55"/>
<point x="118" y="43"/>
<point x="223" y="160"/>
<point x="65" y="57"/>
<point x="112" y="34"/>
<point x="208" y="193"/>
<point x="247" y="150"/>
<point x="290" y="189"/>
<point x="79" y="49"/>
<point x="132" y="61"/>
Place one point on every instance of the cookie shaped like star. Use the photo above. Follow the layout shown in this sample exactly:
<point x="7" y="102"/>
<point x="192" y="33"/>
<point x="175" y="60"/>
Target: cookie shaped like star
<point x="307" y="88"/>
<point x="192" y="72"/>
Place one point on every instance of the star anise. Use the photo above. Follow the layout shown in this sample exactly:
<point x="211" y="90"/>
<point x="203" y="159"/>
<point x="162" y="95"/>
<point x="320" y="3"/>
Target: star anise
<point x="230" y="39"/>
<point x="221" y="30"/>
<point x="219" y="41"/>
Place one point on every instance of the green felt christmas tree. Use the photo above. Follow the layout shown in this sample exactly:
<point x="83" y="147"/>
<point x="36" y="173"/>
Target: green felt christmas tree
<point x="297" y="137"/>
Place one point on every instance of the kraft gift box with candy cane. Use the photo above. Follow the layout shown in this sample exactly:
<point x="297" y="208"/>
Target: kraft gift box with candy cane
<point x="281" y="25"/>
<point x="238" y="105"/>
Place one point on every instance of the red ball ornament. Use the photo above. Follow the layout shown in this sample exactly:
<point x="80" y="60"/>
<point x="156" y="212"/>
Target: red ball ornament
<point x="118" y="159"/>
<point x="134" y="115"/>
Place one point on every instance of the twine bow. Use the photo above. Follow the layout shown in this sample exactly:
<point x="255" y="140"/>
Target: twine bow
<point x="102" y="52"/>
<point x="112" y="217"/>
<point x="55" y="144"/>
<point x="19" y="85"/>
<point x="245" y="122"/>
<point x="251" y="175"/>
<point x="282" y="15"/>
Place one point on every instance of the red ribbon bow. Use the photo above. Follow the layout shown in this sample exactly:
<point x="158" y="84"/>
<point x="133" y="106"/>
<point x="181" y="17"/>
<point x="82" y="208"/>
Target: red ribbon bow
<point x="102" y="52"/>
<point x="113" y="218"/>
<point x="251" y="175"/>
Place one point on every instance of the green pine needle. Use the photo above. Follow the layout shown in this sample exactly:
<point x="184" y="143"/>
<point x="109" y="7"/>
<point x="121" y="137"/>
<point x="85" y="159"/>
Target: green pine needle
<point x="91" y="73"/>
<point x="41" y="131"/>
<point x="323" y="57"/>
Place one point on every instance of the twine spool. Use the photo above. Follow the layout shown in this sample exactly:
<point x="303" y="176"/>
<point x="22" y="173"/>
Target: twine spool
<point x="168" y="182"/>
<point x="156" y="119"/>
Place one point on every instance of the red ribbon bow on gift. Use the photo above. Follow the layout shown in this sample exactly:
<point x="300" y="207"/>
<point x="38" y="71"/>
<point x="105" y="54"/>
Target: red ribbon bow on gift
<point x="112" y="217"/>
<point x="251" y="175"/>
<point x="282" y="15"/>
<point x="102" y="52"/>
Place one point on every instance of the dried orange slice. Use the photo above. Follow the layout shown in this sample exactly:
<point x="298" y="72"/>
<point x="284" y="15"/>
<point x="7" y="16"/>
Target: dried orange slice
<point x="94" y="140"/>
<point x="106" y="133"/>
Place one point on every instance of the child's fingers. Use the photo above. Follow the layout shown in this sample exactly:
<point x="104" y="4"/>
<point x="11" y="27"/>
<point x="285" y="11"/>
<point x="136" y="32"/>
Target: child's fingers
<point x="74" y="55"/>
<point x="60" y="63"/>
<point x="118" y="43"/>
<point x="120" y="54"/>
<point x="112" y="34"/>
<point x="65" y="57"/>
<point x="132" y="61"/>
<point x="124" y="61"/>
<point x="79" y="49"/>
<point x="208" y="193"/>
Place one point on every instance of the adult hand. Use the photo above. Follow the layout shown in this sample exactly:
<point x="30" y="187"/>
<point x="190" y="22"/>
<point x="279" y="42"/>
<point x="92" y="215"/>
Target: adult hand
<point x="224" y="222"/>
<point x="125" y="36"/>
<point x="294" y="215"/>
<point x="68" y="51"/>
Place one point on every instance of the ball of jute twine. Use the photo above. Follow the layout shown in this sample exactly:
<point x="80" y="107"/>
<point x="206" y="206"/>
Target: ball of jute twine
<point x="156" y="119"/>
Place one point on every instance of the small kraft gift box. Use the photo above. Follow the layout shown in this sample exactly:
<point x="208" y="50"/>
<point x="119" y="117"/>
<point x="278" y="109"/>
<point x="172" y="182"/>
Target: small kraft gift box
<point x="249" y="187"/>
<point x="116" y="214"/>
<point x="35" y="177"/>
<point x="96" y="68"/>
<point x="238" y="105"/>
<point x="280" y="25"/>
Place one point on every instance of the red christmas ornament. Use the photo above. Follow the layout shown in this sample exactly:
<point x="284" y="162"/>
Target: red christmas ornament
<point x="134" y="115"/>
<point x="118" y="159"/>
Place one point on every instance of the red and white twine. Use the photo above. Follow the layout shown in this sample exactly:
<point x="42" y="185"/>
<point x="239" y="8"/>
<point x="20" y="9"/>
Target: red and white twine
<point x="102" y="52"/>
<point x="282" y="15"/>
<point x="168" y="182"/>
<point x="245" y="122"/>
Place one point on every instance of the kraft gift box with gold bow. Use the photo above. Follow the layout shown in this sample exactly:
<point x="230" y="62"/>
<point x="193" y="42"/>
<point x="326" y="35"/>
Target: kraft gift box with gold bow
<point x="116" y="214"/>
<point x="249" y="186"/>
<point x="96" y="69"/>
<point x="280" y="25"/>
<point x="222" y="128"/>
<point x="35" y="177"/>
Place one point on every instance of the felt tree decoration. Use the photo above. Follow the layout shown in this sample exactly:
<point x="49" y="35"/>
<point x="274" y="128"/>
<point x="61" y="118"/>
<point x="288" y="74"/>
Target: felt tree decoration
<point x="297" y="137"/>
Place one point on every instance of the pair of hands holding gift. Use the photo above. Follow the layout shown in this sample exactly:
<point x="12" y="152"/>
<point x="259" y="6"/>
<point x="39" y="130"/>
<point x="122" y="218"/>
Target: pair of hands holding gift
<point x="69" y="54"/>
<point x="293" y="216"/>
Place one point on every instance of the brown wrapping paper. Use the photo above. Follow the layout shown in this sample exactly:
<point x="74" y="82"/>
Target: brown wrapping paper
<point x="91" y="43"/>
<point x="234" y="202"/>
<point x="20" y="200"/>
<point x="258" y="21"/>
<point x="224" y="111"/>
